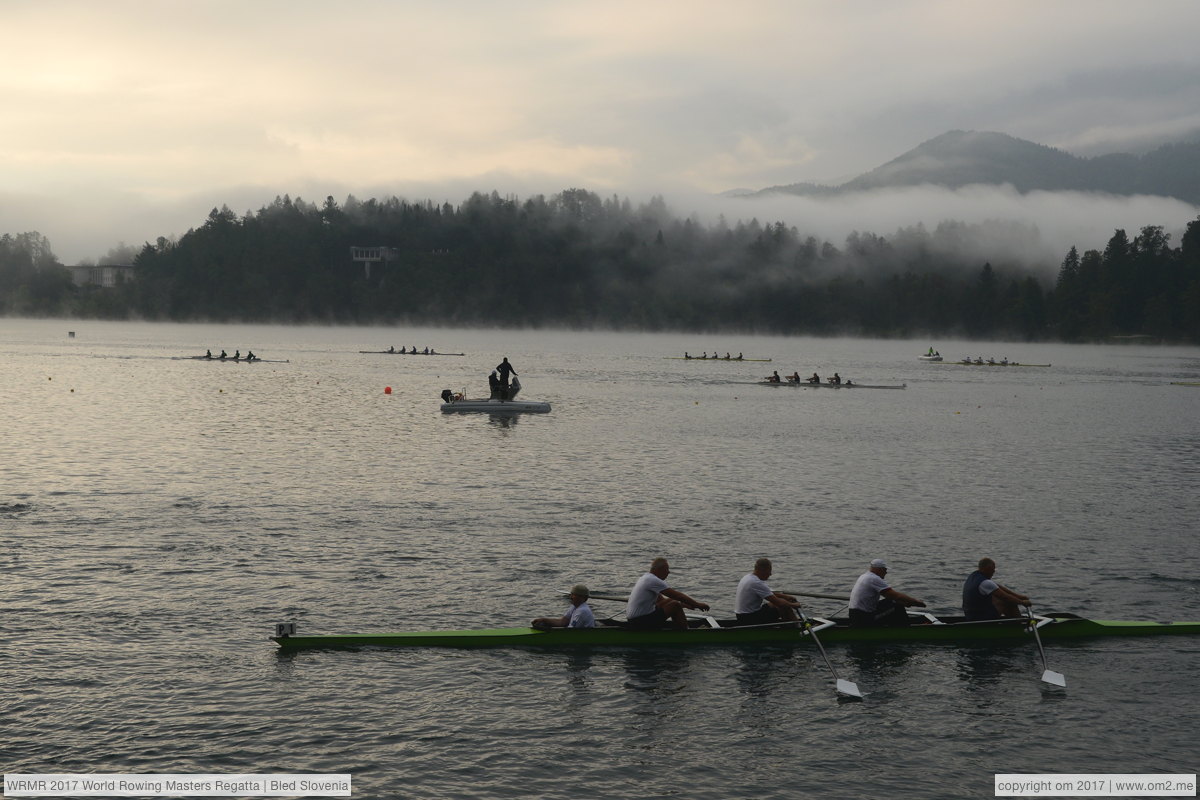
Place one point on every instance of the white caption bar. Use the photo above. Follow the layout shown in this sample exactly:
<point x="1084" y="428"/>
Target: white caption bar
<point x="1072" y="784"/>
<point x="177" y="785"/>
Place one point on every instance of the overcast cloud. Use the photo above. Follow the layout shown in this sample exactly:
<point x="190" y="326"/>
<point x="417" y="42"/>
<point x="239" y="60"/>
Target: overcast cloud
<point x="124" y="121"/>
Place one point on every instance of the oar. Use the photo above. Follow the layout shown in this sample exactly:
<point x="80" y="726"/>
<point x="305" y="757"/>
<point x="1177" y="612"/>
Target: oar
<point x="842" y="597"/>
<point x="1048" y="675"/>
<point x="848" y="688"/>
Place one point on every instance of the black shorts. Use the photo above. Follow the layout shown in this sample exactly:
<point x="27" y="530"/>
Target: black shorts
<point x="887" y="613"/>
<point x="655" y="619"/>
<point x="768" y="613"/>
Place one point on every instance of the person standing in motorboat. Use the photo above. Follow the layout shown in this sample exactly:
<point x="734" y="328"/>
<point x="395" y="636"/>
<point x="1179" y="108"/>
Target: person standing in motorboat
<point x="505" y="369"/>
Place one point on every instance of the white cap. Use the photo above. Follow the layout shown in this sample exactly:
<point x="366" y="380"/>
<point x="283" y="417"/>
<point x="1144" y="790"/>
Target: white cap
<point x="879" y="563"/>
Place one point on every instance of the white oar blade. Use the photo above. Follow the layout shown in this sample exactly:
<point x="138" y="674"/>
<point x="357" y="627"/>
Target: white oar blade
<point x="848" y="688"/>
<point x="1056" y="678"/>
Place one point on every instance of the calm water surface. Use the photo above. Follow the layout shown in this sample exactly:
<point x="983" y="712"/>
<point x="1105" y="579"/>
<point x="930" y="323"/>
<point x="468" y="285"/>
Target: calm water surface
<point x="158" y="516"/>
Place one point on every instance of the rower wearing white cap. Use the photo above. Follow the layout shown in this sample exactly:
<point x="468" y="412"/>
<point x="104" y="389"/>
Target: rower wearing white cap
<point x="579" y="614"/>
<point x="874" y="602"/>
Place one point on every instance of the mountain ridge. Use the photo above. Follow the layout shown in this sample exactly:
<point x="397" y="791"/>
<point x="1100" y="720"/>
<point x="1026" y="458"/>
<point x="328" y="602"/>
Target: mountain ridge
<point x="962" y="158"/>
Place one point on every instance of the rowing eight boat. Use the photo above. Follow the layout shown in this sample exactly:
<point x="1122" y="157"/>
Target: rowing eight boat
<point x="934" y="630"/>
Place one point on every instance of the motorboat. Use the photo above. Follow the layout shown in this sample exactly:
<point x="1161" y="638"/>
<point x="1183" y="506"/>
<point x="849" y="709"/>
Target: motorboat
<point x="453" y="402"/>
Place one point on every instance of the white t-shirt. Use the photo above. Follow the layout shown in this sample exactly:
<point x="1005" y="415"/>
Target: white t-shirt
<point x="581" y="616"/>
<point x="987" y="586"/>
<point x="752" y="592"/>
<point x="644" y="595"/>
<point x="865" y="594"/>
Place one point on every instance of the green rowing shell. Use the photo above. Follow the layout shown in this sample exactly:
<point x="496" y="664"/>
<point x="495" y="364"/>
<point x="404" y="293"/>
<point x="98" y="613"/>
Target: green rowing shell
<point x="611" y="636"/>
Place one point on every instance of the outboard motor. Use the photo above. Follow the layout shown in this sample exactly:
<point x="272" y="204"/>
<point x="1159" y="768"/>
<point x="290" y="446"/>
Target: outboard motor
<point x="513" y="388"/>
<point x="446" y="395"/>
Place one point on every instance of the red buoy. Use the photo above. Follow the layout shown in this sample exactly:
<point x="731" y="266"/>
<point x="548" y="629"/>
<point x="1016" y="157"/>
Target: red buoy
<point x="387" y="390"/>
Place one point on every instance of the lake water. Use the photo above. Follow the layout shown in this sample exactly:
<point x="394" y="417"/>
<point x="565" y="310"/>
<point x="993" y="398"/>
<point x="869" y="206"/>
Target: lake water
<point x="158" y="516"/>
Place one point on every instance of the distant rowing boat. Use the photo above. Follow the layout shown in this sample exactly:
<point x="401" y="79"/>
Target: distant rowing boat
<point x="807" y="385"/>
<point x="1185" y="383"/>
<point x="713" y="358"/>
<point x="933" y="630"/>
<point x="987" y="364"/>
<point x="242" y="360"/>
<point x="409" y="353"/>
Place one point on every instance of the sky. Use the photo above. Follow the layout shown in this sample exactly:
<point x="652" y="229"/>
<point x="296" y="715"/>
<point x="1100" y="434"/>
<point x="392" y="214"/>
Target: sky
<point x="126" y="120"/>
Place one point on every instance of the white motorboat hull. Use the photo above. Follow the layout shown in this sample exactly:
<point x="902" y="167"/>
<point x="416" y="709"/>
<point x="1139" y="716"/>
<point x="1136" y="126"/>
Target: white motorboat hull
<point x="496" y="406"/>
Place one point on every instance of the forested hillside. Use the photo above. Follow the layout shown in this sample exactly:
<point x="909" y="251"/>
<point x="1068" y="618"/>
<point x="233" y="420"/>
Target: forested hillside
<point x="578" y="260"/>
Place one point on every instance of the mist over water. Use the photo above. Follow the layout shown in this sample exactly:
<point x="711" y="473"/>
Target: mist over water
<point x="1033" y="230"/>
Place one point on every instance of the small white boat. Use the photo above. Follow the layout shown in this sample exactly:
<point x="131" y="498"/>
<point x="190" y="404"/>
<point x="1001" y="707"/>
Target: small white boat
<point x="934" y="357"/>
<point x="454" y="403"/>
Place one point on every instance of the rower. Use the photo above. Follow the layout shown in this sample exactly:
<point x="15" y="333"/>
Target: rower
<point x="652" y="602"/>
<point x="208" y="353"/>
<point x="815" y="378"/>
<point x="756" y="603"/>
<point x="836" y="380"/>
<point x="983" y="598"/>
<point x="773" y="377"/>
<point x="794" y="377"/>
<point x="685" y="355"/>
<point x="874" y="602"/>
<point x="223" y="355"/>
<point x="250" y="355"/>
<point x="237" y="355"/>
<point x="391" y="348"/>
